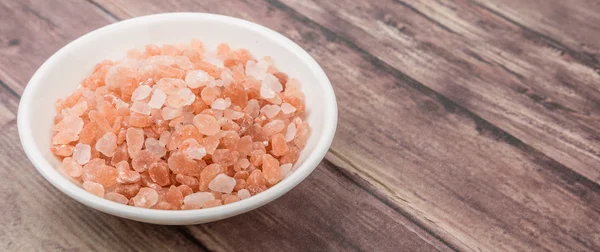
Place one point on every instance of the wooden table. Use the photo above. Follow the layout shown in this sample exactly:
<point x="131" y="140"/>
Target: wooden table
<point x="467" y="125"/>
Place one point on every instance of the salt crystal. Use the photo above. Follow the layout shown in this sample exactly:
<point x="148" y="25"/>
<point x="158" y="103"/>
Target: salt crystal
<point x="266" y="92"/>
<point x="287" y="108"/>
<point x="71" y="167"/>
<point x="107" y="144"/>
<point x="158" y="99"/>
<point x="244" y="163"/>
<point x="94" y="188"/>
<point x="257" y="70"/>
<point x="168" y="113"/>
<point x="135" y="141"/>
<point x="285" y="169"/>
<point x="141" y="92"/>
<point x="273" y="83"/>
<point x="206" y="124"/>
<point x="222" y="183"/>
<point x="198" y="78"/>
<point x="243" y="194"/>
<point x="116" y="197"/>
<point x="78" y="109"/>
<point x="69" y="124"/>
<point x="270" y="169"/>
<point x="155" y="147"/>
<point x="226" y="78"/>
<point x="221" y="104"/>
<point x="146" y="198"/>
<point x="291" y="132"/>
<point x="183" y="62"/>
<point x="196" y="152"/>
<point x="164" y="138"/>
<point x="252" y="108"/>
<point x="82" y="153"/>
<point x="141" y="107"/>
<point x="197" y="200"/>
<point x="270" y="110"/>
<point x="273" y="127"/>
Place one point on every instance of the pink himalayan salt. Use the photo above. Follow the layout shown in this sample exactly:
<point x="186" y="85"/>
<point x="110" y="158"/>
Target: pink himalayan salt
<point x="71" y="167"/>
<point x="180" y="163"/>
<point x="107" y="144"/>
<point x="164" y="138"/>
<point x="243" y="194"/>
<point x="158" y="99"/>
<point x="285" y="169"/>
<point x="270" y="110"/>
<point x="142" y="161"/>
<point x="243" y="128"/>
<point x="212" y="203"/>
<point x="63" y="150"/>
<point x="272" y="82"/>
<point x="116" y="197"/>
<point x="187" y="180"/>
<point x="208" y="174"/>
<point x="146" y="198"/>
<point x="77" y="109"/>
<point x="232" y="114"/>
<point x="302" y="134"/>
<point x="243" y="163"/>
<point x="221" y="104"/>
<point x="287" y="108"/>
<point x="290" y="133"/>
<point x="252" y="109"/>
<point x="69" y="124"/>
<point x="197" y="200"/>
<point x="196" y="152"/>
<point x="244" y="146"/>
<point x="94" y="188"/>
<point x="222" y="183"/>
<point x="82" y="153"/>
<point x="270" y="168"/>
<point x="230" y="199"/>
<point x="257" y="70"/>
<point x="141" y="107"/>
<point x="209" y="94"/>
<point x="273" y="127"/>
<point x="135" y="140"/>
<point x="210" y="144"/>
<point x="279" y="145"/>
<point x="155" y="147"/>
<point x="225" y="157"/>
<point x="207" y="124"/>
<point x="174" y="196"/>
<point x="198" y="78"/>
<point x="169" y="113"/>
<point x="181" y="97"/>
<point x="125" y="175"/>
<point x="141" y="92"/>
<point x="159" y="173"/>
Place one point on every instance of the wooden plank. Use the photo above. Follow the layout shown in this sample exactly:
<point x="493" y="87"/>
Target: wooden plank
<point x="336" y="214"/>
<point x="31" y="32"/>
<point x="570" y="26"/>
<point x="515" y="80"/>
<point x="453" y="172"/>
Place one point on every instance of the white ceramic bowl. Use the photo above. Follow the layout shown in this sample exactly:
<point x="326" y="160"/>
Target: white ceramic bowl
<point x="62" y="73"/>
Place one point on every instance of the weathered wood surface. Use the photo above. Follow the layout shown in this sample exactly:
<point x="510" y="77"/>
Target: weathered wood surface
<point x="493" y="146"/>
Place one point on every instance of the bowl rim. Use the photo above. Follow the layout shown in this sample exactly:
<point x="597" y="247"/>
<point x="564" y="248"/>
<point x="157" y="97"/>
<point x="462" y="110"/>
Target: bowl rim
<point x="178" y="216"/>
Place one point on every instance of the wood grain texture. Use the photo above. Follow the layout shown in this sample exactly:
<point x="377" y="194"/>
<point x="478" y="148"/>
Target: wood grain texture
<point x="466" y="180"/>
<point x="454" y="133"/>
<point x="335" y="215"/>
<point x="511" y="77"/>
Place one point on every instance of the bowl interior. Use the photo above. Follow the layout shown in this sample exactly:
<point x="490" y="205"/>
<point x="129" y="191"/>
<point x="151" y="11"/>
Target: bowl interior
<point x="64" y="71"/>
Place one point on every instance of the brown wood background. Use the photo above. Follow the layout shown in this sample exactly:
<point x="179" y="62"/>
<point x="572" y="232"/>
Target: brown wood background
<point x="466" y="125"/>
